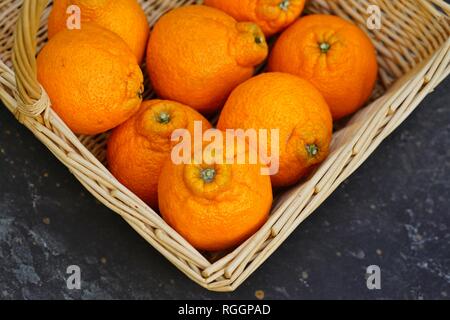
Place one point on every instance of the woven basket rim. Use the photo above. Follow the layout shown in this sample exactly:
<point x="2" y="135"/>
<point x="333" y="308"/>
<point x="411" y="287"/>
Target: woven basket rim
<point x="25" y="97"/>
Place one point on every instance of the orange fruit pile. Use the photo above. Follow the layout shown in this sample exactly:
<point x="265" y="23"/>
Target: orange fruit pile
<point x="201" y="61"/>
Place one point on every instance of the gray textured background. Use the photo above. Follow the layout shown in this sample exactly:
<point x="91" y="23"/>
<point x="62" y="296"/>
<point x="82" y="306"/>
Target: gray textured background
<point x="394" y="212"/>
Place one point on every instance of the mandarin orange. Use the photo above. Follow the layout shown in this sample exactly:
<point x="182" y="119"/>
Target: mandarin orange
<point x="334" y="55"/>
<point x="197" y="55"/>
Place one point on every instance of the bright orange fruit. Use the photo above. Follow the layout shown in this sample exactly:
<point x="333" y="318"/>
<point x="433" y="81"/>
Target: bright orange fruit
<point x="294" y="107"/>
<point x="138" y="148"/>
<point x="197" y="55"/>
<point x="271" y="15"/>
<point x="92" y="78"/>
<point x="334" y="55"/>
<point x="215" y="206"/>
<point x="124" y="17"/>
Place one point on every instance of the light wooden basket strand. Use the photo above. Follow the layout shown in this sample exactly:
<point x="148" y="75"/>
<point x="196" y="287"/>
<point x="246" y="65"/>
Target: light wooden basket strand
<point x="413" y="53"/>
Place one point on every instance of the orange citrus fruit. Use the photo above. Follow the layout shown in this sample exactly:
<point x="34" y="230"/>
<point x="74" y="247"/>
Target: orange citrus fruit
<point x="271" y="15"/>
<point x="334" y="55"/>
<point x="124" y="17"/>
<point x="294" y="107"/>
<point x="91" y="77"/>
<point x="197" y="55"/>
<point x="215" y="205"/>
<point x="138" y="148"/>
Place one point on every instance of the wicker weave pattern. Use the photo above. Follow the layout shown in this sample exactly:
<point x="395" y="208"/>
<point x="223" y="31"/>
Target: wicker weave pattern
<point x="413" y="46"/>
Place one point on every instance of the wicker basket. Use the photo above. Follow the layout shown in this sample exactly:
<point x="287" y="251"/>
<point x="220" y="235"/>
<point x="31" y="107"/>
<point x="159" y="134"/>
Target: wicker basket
<point x="413" y="53"/>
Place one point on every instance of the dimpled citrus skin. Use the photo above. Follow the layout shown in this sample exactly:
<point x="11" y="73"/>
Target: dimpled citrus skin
<point x="138" y="148"/>
<point x="345" y="72"/>
<point x="215" y="214"/>
<point x="91" y="77"/>
<point x="124" y="17"/>
<point x="197" y="55"/>
<point x="271" y="15"/>
<point x="292" y="105"/>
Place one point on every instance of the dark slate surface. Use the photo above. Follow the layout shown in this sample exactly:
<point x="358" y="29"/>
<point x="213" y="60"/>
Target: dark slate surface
<point x="394" y="212"/>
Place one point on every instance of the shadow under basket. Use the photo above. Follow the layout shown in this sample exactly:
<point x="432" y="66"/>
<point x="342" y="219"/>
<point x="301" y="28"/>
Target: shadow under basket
<point x="413" y="54"/>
